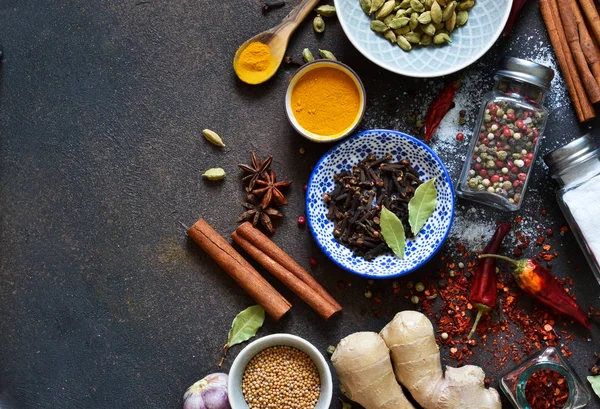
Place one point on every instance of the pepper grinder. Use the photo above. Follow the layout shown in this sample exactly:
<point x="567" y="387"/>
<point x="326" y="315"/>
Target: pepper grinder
<point x="514" y="382"/>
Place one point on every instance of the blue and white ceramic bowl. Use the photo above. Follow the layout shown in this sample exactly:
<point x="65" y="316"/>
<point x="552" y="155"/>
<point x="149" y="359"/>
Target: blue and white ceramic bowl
<point x="351" y="151"/>
<point x="469" y="42"/>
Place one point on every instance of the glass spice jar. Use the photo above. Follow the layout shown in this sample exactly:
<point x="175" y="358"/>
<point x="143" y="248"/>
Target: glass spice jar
<point x="506" y="137"/>
<point x="514" y="383"/>
<point x="576" y="169"/>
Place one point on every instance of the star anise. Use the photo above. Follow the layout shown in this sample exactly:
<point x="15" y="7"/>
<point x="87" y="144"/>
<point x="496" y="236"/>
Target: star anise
<point x="270" y="190"/>
<point x="255" y="171"/>
<point x="257" y="214"/>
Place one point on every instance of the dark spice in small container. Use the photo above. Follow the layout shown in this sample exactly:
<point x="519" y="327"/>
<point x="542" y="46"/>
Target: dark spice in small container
<point x="547" y="389"/>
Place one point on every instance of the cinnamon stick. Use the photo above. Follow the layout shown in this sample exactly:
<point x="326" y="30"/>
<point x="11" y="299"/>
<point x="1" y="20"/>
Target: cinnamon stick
<point x="257" y="238"/>
<point x="572" y="35"/>
<point x="591" y="12"/>
<point x="299" y="287"/>
<point x="592" y="55"/>
<point x="581" y="103"/>
<point x="239" y="269"/>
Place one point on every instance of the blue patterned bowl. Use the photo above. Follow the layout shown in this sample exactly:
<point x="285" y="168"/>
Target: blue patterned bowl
<point x="469" y="42"/>
<point x="353" y="150"/>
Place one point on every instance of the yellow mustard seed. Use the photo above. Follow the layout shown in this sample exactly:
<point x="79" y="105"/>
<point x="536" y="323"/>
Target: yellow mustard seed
<point x="281" y="377"/>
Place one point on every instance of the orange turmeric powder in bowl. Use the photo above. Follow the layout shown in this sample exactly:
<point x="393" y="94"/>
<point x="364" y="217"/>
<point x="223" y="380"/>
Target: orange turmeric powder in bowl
<point x="325" y="101"/>
<point x="254" y="63"/>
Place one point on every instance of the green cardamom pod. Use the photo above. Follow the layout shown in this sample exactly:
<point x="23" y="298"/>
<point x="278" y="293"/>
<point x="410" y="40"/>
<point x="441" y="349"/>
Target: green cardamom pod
<point x="441" y="38"/>
<point x="366" y="6"/>
<point x="462" y="17"/>
<point x="399" y="22"/>
<point x="307" y="55"/>
<point x="413" y="23"/>
<point x="386" y="9"/>
<point x="427" y="4"/>
<point x="436" y="13"/>
<point x="417" y="6"/>
<point x="426" y="40"/>
<point x="428" y="29"/>
<point x="390" y="35"/>
<point x="402" y="30"/>
<point x="425" y="17"/>
<point x="451" y="22"/>
<point x="319" y="24"/>
<point x="214" y="174"/>
<point x="379" y="26"/>
<point x="326" y="10"/>
<point x="413" y="37"/>
<point x="213" y="137"/>
<point x="439" y="26"/>
<point x="408" y="12"/>
<point x="404" y="4"/>
<point x="401" y="13"/>
<point x="442" y="3"/>
<point x="388" y="19"/>
<point x="376" y="5"/>
<point x="466" y="5"/>
<point x="403" y="43"/>
<point x="448" y="10"/>
<point x="328" y="55"/>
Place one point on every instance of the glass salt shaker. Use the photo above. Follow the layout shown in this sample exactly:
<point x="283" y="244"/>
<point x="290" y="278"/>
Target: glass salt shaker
<point x="576" y="169"/>
<point x="514" y="382"/>
<point x="506" y="137"/>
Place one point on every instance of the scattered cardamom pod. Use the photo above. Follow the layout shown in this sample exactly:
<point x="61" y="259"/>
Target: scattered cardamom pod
<point x="466" y="5"/>
<point x="386" y="9"/>
<point x="426" y="40"/>
<point x="213" y="137"/>
<point x="441" y="38"/>
<point x="414" y="22"/>
<point x="376" y="5"/>
<point x="417" y="6"/>
<point x="404" y="4"/>
<point x="388" y="19"/>
<point x="402" y="30"/>
<point x="390" y="35"/>
<point x="462" y="17"/>
<point x="429" y="29"/>
<point x="319" y="24"/>
<point x="436" y="12"/>
<point x="307" y="56"/>
<point x="366" y="6"/>
<point x="328" y="55"/>
<point x="403" y="43"/>
<point x="214" y="174"/>
<point x="451" y="22"/>
<point x="326" y="10"/>
<point x="427" y="4"/>
<point x="378" y="26"/>
<point x="413" y="37"/>
<point x="442" y="3"/>
<point x="399" y="22"/>
<point x="425" y="17"/>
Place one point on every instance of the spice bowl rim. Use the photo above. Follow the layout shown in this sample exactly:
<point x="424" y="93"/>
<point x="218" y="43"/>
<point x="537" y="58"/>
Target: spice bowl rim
<point x="234" y="390"/>
<point x="300" y="72"/>
<point x="311" y="217"/>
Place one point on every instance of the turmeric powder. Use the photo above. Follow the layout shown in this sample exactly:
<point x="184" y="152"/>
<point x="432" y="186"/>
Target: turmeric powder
<point x="326" y="101"/>
<point x="254" y="62"/>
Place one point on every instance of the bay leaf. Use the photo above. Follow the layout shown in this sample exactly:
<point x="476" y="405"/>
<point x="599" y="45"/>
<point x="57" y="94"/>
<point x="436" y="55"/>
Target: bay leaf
<point x="595" y="382"/>
<point x="392" y="232"/>
<point x="422" y="205"/>
<point x="245" y="325"/>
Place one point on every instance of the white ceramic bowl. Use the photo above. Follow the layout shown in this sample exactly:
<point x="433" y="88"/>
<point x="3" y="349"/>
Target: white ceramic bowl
<point x="234" y="387"/>
<point x="305" y="69"/>
<point x="469" y="43"/>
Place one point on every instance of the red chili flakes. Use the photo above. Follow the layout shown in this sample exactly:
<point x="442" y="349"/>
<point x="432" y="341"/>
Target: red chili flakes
<point x="543" y="212"/>
<point x="564" y="229"/>
<point x="547" y="389"/>
<point x="519" y="219"/>
<point x="540" y="240"/>
<point x="549" y="232"/>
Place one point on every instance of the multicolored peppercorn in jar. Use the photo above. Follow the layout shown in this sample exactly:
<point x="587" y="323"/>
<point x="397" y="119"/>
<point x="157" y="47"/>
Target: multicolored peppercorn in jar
<point x="508" y="130"/>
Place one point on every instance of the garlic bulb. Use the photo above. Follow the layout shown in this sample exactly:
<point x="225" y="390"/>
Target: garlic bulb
<point x="209" y="392"/>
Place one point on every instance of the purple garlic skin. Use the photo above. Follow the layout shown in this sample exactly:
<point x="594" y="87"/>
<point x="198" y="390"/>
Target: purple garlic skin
<point x="209" y="392"/>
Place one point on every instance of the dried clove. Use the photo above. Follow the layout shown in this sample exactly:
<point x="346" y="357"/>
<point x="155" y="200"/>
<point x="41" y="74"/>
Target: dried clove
<point x="272" y="4"/>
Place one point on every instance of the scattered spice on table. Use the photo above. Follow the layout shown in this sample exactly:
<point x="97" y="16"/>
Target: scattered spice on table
<point x="356" y="202"/>
<point x="272" y="4"/>
<point x="326" y="101"/>
<point x="281" y="376"/>
<point x="547" y="389"/>
<point x="439" y="107"/>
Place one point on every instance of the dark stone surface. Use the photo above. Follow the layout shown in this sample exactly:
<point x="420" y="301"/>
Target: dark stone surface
<point x="104" y="301"/>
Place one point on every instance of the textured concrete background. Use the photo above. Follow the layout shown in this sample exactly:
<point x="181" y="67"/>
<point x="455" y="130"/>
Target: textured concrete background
<point x="104" y="301"/>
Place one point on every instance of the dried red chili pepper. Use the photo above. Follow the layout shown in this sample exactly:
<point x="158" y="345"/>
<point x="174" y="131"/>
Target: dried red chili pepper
<point x="439" y="108"/>
<point x="483" y="292"/>
<point x="535" y="280"/>
<point x="515" y="12"/>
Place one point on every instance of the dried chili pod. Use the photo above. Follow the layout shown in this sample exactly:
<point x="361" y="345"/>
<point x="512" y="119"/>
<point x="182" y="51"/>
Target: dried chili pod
<point x="439" y="108"/>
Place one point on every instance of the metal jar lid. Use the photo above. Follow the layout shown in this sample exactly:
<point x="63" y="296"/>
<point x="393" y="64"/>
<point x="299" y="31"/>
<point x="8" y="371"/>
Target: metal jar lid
<point x="573" y="153"/>
<point x="527" y="71"/>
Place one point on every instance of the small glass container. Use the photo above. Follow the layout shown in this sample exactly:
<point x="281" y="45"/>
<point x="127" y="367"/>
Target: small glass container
<point x="576" y="169"/>
<point x="506" y="137"/>
<point x="513" y="383"/>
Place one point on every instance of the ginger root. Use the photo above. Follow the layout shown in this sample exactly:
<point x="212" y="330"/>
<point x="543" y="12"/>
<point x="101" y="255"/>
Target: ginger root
<point x="363" y="365"/>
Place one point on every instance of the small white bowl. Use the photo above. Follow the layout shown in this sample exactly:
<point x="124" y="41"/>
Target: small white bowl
<point x="234" y="386"/>
<point x="305" y="69"/>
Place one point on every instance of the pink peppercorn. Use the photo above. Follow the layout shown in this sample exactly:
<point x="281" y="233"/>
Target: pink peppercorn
<point x="313" y="262"/>
<point x="522" y="176"/>
<point x="301" y="220"/>
<point x="460" y="136"/>
<point x="495" y="178"/>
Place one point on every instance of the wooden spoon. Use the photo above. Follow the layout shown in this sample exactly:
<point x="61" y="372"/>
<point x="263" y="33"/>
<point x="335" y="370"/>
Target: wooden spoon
<point x="277" y="39"/>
